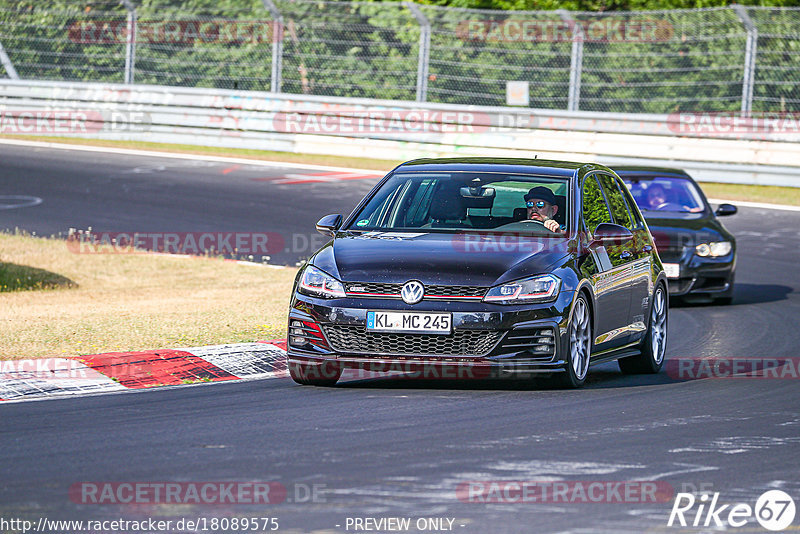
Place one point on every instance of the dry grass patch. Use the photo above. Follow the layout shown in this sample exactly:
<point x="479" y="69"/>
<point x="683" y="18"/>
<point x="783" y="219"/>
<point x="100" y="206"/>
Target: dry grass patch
<point x="127" y="302"/>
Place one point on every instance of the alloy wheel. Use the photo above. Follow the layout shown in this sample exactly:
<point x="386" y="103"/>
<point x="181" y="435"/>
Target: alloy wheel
<point x="658" y="325"/>
<point x="580" y="339"/>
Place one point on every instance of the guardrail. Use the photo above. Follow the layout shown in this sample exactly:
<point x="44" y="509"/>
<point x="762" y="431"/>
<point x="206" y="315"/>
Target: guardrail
<point x="713" y="147"/>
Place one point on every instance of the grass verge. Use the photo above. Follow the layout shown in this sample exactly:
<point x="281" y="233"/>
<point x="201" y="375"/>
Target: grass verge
<point x="753" y="193"/>
<point x="94" y="303"/>
<point x="733" y="192"/>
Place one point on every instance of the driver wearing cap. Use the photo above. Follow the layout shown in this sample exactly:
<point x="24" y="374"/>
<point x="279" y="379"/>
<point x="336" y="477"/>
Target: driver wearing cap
<point x="542" y="207"/>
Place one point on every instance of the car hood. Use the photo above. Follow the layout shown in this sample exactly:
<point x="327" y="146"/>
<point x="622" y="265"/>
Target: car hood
<point x="673" y="230"/>
<point x="438" y="258"/>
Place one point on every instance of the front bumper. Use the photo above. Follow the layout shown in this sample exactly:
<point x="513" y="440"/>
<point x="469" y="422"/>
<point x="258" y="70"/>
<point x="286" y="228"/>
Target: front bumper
<point x="702" y="275"/>
<point x="509" y="339"/>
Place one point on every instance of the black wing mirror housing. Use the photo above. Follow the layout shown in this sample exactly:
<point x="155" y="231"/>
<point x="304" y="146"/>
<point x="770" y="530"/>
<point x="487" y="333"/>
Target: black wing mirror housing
<point x="611" y="234"/>
<point x="329" y="224"/>
<point x="726" y="209"/>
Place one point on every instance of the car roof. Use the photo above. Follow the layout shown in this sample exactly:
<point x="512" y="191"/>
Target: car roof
<point x="643" y="170"/>
<point x="505" y="165"/>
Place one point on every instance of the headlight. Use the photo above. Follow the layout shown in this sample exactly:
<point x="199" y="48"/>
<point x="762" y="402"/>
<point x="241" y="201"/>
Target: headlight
<point x="318" y="283"/>
<point x="720" y="248"/>
<point x="537" y="289"/>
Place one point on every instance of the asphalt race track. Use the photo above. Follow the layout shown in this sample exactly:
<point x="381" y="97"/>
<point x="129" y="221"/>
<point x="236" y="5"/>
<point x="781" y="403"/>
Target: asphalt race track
<point x="391" y="447"/>
<point x="120" y="193"/>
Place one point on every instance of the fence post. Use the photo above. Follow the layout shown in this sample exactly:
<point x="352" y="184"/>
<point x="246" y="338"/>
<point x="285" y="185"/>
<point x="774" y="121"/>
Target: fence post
<point x="130" y="46"/>
<point x="750" y="51"/>
<point x="6" y="61"/>
<point x="277" y="46"/>
<point x="575" y="60"/>
<point x="424" y="51"/>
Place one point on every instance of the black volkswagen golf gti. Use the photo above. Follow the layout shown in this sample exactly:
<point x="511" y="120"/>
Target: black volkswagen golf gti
<point x="507" y="266"/>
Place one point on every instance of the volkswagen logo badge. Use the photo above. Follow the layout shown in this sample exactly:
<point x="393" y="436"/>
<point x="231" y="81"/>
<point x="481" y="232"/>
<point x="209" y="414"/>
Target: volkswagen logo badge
<point x="412" y="292"/>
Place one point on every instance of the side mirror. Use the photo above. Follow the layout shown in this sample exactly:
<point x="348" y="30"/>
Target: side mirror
<point x="610" y="234"/>
<point x="329" y="224"/>
<point x="726" y="209"/>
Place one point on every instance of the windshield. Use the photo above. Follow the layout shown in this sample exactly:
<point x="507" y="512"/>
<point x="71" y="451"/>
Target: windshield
<point x="665" y="193"/>
<point x="456" y="201"/>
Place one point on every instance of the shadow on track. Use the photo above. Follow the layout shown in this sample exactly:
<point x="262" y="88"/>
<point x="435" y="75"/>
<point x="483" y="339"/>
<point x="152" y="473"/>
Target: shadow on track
<point x="743" y="294"/>
<point x="603" y="377"/>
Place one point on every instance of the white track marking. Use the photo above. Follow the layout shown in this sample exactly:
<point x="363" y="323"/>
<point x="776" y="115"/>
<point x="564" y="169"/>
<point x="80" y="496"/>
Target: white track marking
<point x="10" y="202"/>
<point x="174" y="155"/>
<point x="762" y="205"/>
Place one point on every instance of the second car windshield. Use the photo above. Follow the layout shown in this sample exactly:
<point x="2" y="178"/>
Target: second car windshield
<point x="665" y="193"/>
<point x="463" y="201"/>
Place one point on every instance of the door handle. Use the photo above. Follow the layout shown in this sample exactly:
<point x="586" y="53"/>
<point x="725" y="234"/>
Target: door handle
<point x="625" y="254"/>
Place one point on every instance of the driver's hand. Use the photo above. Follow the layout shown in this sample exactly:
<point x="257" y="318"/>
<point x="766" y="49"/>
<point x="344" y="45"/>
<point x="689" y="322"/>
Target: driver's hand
<point x="553" y="226"/>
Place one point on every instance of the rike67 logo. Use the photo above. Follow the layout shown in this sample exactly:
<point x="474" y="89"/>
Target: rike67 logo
<point x="774" y="510"/>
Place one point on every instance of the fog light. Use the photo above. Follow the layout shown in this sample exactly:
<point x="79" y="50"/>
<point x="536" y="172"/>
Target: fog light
<point x="297" y="331"/>
<point x="541" y="348"/>
<point x="297" y="324"/>
<point x="296" y="340"/>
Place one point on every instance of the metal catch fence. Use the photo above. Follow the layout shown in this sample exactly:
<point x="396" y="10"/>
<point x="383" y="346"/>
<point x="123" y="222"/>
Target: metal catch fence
<point x="741" y="59"/>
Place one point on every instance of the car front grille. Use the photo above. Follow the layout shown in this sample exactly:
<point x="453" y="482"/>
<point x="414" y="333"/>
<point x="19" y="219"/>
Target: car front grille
<point x="383" y="290"/>
<point x="356" y="340"/>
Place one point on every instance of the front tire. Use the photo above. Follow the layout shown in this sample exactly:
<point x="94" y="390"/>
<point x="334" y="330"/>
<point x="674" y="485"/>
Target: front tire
<point x="654" y="344"/>
<point x="579" y="350"/>
<point x="323" y="374"/>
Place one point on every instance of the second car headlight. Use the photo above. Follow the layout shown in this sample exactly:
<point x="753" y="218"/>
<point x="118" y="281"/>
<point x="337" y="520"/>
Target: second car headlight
<point x="318" y="283"/>
<point x="528" y="290"/>
<point x="720" y="248"/>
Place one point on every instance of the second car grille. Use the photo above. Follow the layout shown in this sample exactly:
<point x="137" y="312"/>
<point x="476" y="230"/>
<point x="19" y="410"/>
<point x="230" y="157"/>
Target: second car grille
<point x="383" y="290"/>
<point x="354" y="339"/>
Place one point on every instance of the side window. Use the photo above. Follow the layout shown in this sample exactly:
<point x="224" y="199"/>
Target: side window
<point x="619" y="208"/>
<point x="595" y="210"/>
<point x="418" y="205"/>
<point x="636" y="216"/>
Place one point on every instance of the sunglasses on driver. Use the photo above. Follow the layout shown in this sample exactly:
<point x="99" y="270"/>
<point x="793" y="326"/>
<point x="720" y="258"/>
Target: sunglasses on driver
<point x="539" y="204"/>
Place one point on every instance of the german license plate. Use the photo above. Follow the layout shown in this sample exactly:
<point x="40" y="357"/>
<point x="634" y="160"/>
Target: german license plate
<point x="672" y="270"/>
<point x="409" y="322"/>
